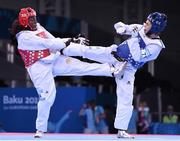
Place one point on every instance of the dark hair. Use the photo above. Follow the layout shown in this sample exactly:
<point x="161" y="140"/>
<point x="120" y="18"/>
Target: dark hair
<point x="16" y="28"/>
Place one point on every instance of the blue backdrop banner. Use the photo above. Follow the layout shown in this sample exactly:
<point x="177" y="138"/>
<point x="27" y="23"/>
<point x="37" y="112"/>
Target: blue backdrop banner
<point x="18" y="109"/>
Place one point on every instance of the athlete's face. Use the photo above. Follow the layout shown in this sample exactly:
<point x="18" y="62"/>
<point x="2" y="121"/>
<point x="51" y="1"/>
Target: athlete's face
<point x="32" y="23"/>
<point x="147" y="26"/>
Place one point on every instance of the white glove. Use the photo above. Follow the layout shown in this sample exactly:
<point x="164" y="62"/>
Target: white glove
<point x="120" y="27"/>
<point x="120" y="30"/>
<point x="134" y="31"/>
<point x="81" y="40"/>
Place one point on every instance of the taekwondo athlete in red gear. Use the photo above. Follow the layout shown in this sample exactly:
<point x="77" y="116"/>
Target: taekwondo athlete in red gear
<point x="40" y="52"/>
<point x="144" y="45"/>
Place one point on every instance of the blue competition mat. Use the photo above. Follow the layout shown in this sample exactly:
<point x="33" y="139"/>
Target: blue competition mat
<point x="83" y="137"/>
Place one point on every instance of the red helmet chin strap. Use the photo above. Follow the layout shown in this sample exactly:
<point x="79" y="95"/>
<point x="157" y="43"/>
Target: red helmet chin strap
<point x="24" y="15"/>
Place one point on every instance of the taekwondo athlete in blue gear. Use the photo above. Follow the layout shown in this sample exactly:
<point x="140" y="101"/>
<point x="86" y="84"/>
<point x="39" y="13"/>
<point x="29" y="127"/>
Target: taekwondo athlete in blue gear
<point x="144" y="45"/>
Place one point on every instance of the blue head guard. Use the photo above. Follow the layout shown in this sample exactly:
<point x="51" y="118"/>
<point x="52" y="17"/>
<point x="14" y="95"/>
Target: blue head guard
<point x="158" y="21"/>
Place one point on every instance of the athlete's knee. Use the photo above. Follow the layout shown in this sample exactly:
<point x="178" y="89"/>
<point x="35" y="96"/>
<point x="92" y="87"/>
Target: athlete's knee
<point x="47" y="95"/>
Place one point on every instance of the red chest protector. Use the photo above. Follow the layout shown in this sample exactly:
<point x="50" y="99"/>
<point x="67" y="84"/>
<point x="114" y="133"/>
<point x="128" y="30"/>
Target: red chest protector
<point x="31" y="56"/>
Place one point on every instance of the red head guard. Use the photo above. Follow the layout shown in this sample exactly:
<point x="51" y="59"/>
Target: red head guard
<point x="24" y="15"/>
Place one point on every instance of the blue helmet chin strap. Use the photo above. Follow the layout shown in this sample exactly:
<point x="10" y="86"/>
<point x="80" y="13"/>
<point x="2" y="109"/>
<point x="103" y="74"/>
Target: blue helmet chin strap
<point x="158" y="21"/>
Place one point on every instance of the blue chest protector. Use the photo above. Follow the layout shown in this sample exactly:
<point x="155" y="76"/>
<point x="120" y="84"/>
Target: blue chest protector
<point x="124" y="52"/>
